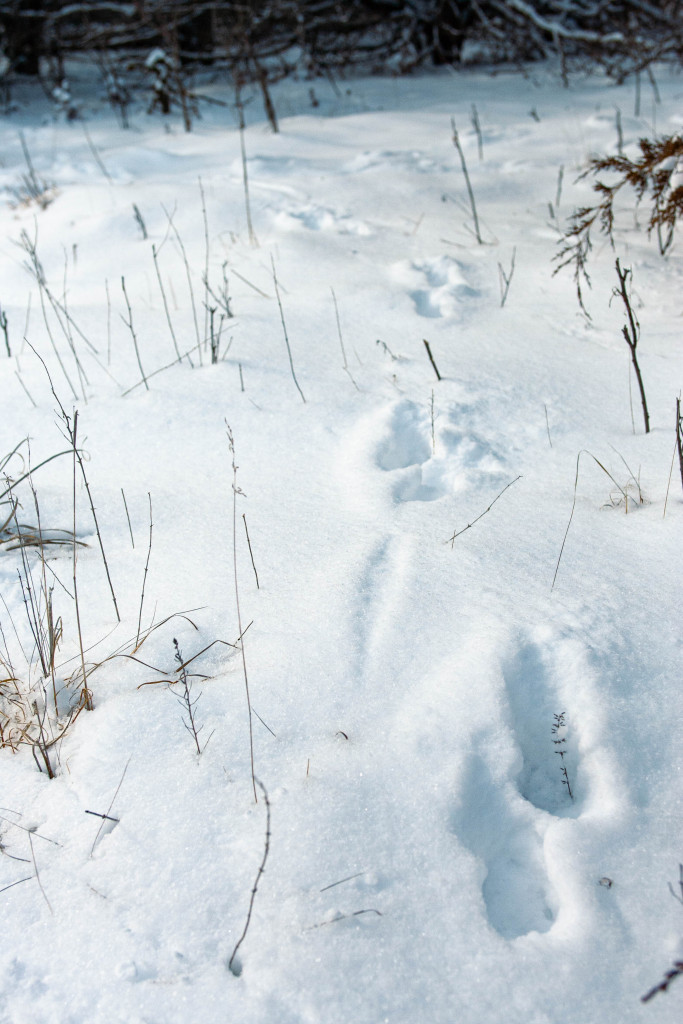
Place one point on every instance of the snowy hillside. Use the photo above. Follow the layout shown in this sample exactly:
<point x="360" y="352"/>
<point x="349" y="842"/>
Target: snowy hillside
<point x="472" y="775"/>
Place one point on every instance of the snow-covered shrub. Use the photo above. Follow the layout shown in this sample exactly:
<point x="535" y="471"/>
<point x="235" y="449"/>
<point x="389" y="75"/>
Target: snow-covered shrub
<point x="169" y="87"/>
<point x="63" y="101"/>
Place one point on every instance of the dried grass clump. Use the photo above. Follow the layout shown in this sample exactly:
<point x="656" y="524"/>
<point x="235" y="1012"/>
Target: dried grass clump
<point x="32" y="189"/>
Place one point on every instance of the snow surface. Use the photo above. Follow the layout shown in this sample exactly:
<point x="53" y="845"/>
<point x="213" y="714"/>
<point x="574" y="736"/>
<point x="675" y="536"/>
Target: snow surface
<point x="426" y="864"/>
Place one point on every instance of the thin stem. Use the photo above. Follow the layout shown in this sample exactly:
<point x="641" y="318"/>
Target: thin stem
<point x="130" y="528"/>
<point x="456" y="143"/>
<point x="506" y="279"/>
<point x="3" y="326"/>
<point x="431" y="358"/>
<point x="451" y="540"/>
<point x="52" y="635"/>
<point x="52" y="340"/>
<point x="345" y="366"/>
<point x="631" y="333"/>
<point x="116" y="793"/>
<point x="431" y="406"/>
<point x="206" y="259"/>
<point x="161" y="369"/>
<point x="79" y="457"/>
<point x="187" y="702"/>
<point x="144" y="578"/>
<point x="26" y="390"/>
<point x="477" y="128"/>
<point x="339" y="331"/>
<point x="675" y="972"/>
<point x="571" y="514"/>
<point x="129" y="324"/>
<point x="558" y="193"/>
<point x="15" y="483"/>
<point x="96" y="155"/>
<point x="106" y="288"/>
<point x="66" y="330"/>
<point x="86" y="695"/>
<point x="284" y="328"/>
<point x="245" y="176"/>
<point x="189" y="281"/>
<point x="250" y="551"/>
<point x="37" y="876"/>
<point x="155" y="257"/>
<point x="235" y="491"/>
<point x="262" y="866"/>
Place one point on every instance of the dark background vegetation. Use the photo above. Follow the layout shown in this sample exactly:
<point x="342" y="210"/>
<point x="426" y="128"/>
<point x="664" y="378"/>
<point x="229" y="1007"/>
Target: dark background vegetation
<point x="256" y="37"/>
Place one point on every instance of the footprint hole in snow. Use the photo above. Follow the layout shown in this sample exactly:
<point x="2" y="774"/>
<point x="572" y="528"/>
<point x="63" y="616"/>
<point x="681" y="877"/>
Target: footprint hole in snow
<point x="516" y="889"/>
<point x="534" y="704"/>
<point x="411" y="486"/>
<point x="406" y="442"/>
<point x="447" y="286"/>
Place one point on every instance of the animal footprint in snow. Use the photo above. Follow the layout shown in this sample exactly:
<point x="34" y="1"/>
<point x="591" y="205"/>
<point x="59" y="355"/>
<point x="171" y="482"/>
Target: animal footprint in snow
<point x="534" y="706"/>
<point x="507" y="835"/>
<point x="427" y="467"/>
<point x="438" y="286"/>
<point x="466" y="458"/>
<point x="320" y="218"/>
<point x="406" y="450"/>
<point x="391" y="161"/>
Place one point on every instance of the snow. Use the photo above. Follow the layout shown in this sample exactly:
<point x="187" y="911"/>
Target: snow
<point x="426" y="862"/>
